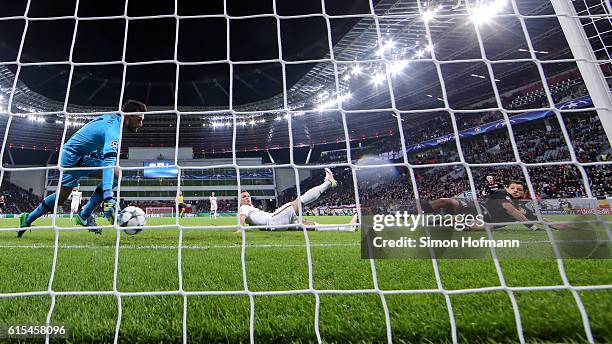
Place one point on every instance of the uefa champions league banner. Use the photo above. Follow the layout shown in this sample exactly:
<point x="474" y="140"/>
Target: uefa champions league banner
<point x="578" y="103"/>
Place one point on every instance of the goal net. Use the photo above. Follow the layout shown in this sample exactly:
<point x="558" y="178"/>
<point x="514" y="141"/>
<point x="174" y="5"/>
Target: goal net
<point x="159" y="211"/>
<point x="406" y="101"/>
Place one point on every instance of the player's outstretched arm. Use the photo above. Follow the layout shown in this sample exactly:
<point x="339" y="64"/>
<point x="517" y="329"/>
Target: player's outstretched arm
<point x="514" y="212"/>
<point x="520" y="216"/>
<point x="243" y="220"/>
<point x="243" y="224"/>
<point x="557" y="226"/>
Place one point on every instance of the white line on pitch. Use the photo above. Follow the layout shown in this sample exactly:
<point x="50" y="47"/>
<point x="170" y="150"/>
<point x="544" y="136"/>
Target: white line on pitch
<point x="195" y="247"/>
<point x="173" y="247"/>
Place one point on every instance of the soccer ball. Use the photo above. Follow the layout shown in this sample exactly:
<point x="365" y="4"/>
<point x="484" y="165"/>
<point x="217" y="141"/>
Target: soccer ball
<point x="131" y="217"/>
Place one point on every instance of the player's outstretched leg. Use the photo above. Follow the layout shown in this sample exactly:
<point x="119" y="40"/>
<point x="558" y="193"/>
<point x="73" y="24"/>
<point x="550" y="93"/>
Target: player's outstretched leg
<point x="316" y="192"/>
<point x="26" y="219"/>
<point x="350" y="227"/>
<point x="354" y="223"/>
<point x="43" y="208"/>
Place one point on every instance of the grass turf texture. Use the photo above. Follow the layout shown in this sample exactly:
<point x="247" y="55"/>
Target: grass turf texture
<point x="211" y="261"/>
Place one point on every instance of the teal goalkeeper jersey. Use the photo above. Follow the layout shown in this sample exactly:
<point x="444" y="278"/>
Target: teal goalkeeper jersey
<point x="101" y="135"/>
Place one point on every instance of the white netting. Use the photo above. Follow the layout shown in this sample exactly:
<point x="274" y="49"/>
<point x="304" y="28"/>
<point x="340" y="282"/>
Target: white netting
<point x="597" y="29"/>
<point x="593" y="12"/>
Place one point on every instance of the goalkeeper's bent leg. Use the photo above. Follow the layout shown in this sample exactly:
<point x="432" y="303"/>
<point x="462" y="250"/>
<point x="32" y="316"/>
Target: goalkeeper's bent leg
<point x="94" y="202"/>
<point x="43" y="208"/>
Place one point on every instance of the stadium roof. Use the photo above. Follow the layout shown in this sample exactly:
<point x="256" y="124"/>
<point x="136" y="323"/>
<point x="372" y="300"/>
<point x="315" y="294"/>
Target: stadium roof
<point x="399" y="36"/>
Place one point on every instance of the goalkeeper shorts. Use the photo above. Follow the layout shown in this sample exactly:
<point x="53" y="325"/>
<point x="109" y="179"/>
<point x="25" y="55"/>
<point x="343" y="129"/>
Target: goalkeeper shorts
<point x="71" y="178"/>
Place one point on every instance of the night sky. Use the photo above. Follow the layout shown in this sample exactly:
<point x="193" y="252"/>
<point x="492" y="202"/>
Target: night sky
<point x="199" y="40"/>
<point x="204" y="76"/>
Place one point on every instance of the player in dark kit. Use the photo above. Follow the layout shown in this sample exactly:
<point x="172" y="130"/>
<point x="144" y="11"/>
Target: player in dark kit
<point x="503" y="205"/>
<point x="491" y="186"/>
<point x="565" y="205"/>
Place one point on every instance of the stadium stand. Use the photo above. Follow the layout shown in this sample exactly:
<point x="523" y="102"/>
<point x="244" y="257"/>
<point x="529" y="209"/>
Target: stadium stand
<point x="537" y="141"/>
<point x="14" y="199"/>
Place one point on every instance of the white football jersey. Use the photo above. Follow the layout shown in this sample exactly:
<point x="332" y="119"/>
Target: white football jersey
<point x="76" y="197"/>
<point x="255" y="216"/>
<point x="213" y="201"/>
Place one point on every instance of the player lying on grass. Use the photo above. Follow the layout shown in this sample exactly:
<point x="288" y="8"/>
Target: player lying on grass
<point x="100" y="137"/>
<point x="286" y="216"/>
<point x="501" y="206"/>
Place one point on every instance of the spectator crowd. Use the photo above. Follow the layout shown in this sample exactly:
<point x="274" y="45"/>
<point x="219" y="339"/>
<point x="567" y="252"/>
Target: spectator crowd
<point x="15" y="200"/>
<point x="537" y="142"/>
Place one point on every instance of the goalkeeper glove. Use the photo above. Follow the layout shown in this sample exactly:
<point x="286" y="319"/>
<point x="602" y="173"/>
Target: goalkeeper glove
<point x="110" y="206"/>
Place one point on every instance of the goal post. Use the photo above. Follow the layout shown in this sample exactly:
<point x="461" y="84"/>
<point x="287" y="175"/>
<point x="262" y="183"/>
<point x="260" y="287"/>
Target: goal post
<point x="590" y="69"/>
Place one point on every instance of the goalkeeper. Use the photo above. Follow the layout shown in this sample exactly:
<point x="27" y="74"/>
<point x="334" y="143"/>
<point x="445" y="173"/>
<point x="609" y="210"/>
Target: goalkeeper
<point x="100" y="137"/>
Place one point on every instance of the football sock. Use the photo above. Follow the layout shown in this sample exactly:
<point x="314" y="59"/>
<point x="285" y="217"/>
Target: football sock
<point x="325" y="229"/>
<point x="344" y="228"/>
<point x="44" y="207"/>
<point x="94" y="201"/>
<point x="314" y="193"/>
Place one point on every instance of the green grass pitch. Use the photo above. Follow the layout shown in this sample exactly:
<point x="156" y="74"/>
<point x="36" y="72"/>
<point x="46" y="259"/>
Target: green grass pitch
<point x="211" y="261"/>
